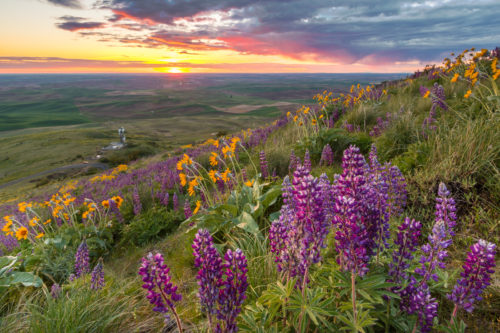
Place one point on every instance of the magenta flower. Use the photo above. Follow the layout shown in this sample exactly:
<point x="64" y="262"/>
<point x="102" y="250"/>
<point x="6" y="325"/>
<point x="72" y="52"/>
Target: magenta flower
<point x="162" y="293"/>
<point x="82" y="259"/>
<point x="326" y="156"/>
<point x="476" y="276"/>
<point x="264" y="169"/>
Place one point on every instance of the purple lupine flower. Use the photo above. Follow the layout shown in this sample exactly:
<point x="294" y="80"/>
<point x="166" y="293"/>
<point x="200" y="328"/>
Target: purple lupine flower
<point x="434" y="252"/>
<point x="417" y="299"/>
<point x="207" y="259"/>
<point x="137" y="201"/>
<point x="307" y="161"/>
<point x="397" y="189"/>
<point x="445" y="208"/>
<point x="175" y="202"/>
<point x="438" y="97"/>
<point x="232" y="292"/>
<point x="55" y="291"/>
<point x="476" y="276"/>
<point x="294" y="160"/>
<point x="162" y="293"/>
<point x="71" y="277"/>
<point x="423" y="91"/>
<point x="82" y="259"/>
<point x="407" y="242"/>
<point x="326" y="156"/>
<point x="355" y="215"/>
<point x="97" y="276"/>
<point x="299" y="234"/>
<point x="165" y="199"/>
<point x="278" y="231"/>
<point x="263" y="165"/>
<point x="187" y="209"/>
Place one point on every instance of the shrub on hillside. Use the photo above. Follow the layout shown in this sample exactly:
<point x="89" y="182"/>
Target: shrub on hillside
<point x="151" y="225"/>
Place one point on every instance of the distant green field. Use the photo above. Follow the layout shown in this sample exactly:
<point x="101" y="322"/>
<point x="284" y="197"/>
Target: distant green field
<point x="49" y="121"/>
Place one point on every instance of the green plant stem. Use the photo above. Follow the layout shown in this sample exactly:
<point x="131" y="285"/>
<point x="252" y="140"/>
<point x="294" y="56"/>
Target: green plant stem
<point x="388" y="315"/>
<point x="303" y="296"/>
<point x="353" y="297"/>
<point x="454" y="314"/>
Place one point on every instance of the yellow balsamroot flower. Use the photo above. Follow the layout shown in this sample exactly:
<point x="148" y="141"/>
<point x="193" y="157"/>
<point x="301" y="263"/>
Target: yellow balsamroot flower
<point x="295" y="118"/>
<point x="40" y="235"/>
<point x="225" y="150"/>
<point x="300" y="124"/>
<point x="33" y="221"/>
<point x="306" y="110"/>
<point x="455" y="77"/>
<point x="118" y="200"/>
<point x="497" y="74"/>
<point x="197" y="208"/>
<point x="22" y="233"/>
<point x="192" y="185"/>
<point x="288" y="114"/>
<point x="182" y="178"/>
<point x="213" y="159"/>
<point x="225" y="175"/>
<point x="105" y="203"/>
<point x="23" y="205"/>
<point x="48" y="221"/>
<point x="314" y="121"/>
<point x="6" y="228"/>
<point x="249" y="183"/>
<point x="467" y="94"/>
<point x="321" y="117"/>
<point x="427" y="94"/>
<point x="211" y="174"/>
<point x="85" y="214"/>
<point x="494" y="65"/>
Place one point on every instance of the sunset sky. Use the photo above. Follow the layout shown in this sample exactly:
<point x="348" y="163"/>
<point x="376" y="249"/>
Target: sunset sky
<point x="150" y="36"/>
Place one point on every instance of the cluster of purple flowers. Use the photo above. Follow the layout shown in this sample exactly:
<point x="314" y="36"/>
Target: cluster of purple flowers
<point x="187" y="209"/>
<point x="350" y="127"/>
<point x="162" y="293"/>
<point x="382" y="124"/>
<point x="326" y="156"/>
<point x="264" y="169"/>
<point x="476" y="276"/>
<point x="299" y="234"/>
<point x="307" y="161"/>
<point x="137" y="201"/>
<point x="294" y="161"/>
<point x="82" y="260"/>
<point x="97" y="276"/>
<point x="222" y="286"/>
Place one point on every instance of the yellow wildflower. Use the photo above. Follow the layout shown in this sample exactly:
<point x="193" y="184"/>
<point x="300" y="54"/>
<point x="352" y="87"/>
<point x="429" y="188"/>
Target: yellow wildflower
<point x="182" y="178"/>
<point x="467" y="94"/>
<point x="213" y="159"/>
<point x="22" y="233"/>
<point x="427" y="94"/>
<point x="295" y="118"/>
<point x="494" y="65"/>
<point x="249" y="183"/>
<point x="314" y="121"/>
<point x="47" y="222"/>
<point x="192" y="185"/>
<point x="225" y="175"/>
<point x="306" y="110"/>
<point x="225" y="150"/>
<point x="85" y="214"/>
<point x="455" y="77"/>
<point x="105" y="203"/>
<point x="40" y="235"/>
<point x="211" y="174"/>
<point x="6" y="228"/>
<point x="197" y="208"/>
<point x="118" y="200"/>
<point x="33" y="221"/>
<point x="300" y="124"/>
<point x="321" y="117"/>
<point x="288" y="114"/>
<point x="497" y="74"/>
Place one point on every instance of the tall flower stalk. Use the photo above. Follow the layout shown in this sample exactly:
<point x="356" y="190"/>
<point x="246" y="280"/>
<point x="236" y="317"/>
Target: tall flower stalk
<point x="162" y="293"/>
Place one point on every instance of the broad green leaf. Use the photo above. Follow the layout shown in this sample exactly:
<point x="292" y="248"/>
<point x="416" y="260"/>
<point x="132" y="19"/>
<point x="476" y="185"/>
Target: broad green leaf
<point x="246" y="222"/>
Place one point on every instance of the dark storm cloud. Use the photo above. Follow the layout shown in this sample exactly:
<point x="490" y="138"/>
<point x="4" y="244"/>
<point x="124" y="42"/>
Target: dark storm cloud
<point x="347" y="31"/>
<point x="73" y="23"/>
<point x="66" y="3"/>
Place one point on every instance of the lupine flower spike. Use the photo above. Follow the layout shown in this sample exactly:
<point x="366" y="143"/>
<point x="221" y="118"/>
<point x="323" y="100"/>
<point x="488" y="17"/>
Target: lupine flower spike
<point x="97" y="276"/>
<point x="82" y="260"/>
<point x="476" y="276"/>
<point x="162" y="293"/>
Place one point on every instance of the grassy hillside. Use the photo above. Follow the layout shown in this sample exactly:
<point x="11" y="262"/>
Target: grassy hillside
<point x="318" y="257"/>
